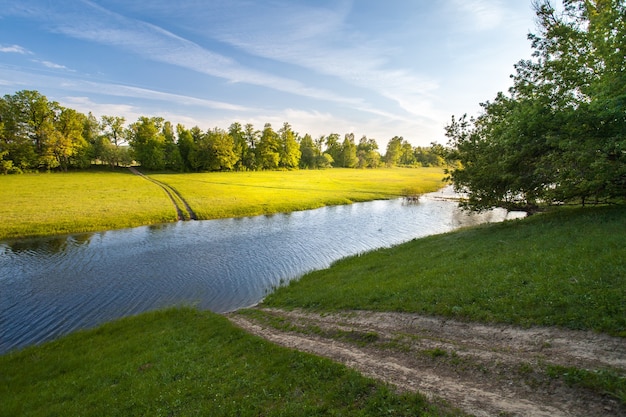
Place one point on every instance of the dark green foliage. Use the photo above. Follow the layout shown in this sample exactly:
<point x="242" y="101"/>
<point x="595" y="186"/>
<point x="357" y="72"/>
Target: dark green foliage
<point x="559" y="134"/>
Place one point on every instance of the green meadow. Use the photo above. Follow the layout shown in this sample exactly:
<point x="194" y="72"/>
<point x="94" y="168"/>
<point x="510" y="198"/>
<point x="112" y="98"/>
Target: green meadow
<point x="61" y="203"/>
<point x="565" y="268"/>
<point x="185" y="362"/>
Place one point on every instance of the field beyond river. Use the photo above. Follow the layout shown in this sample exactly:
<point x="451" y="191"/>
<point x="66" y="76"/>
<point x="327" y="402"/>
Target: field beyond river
<point x="96" y="200"/>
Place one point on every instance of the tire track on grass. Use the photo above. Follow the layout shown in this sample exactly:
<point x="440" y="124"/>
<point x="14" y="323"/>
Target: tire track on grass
<point x="183" y="210"/>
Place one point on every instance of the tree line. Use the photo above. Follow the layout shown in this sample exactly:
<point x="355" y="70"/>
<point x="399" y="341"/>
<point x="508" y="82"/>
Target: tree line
<point x="38" y="134"/>
<point x="559" y="135"/>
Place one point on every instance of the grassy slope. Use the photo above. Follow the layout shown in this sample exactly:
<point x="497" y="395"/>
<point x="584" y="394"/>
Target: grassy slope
<point x="566" y="268"/>
<point x="49" y="204"/>
<point x="185" y="362"/>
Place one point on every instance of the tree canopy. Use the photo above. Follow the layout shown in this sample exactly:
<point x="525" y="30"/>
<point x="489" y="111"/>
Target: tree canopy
<point x="559" y="135"/>
<point x="37" y="134"/>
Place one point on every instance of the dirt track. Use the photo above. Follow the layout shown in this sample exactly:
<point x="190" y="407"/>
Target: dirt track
<point x="483" y="370"/>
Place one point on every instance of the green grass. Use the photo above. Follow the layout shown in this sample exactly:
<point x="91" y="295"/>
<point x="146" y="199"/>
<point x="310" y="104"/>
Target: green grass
<point x="566" y="268"/>
<point x="61" y="203"/>
<point x="606" y="381"/>
<point x="184" y="362"/>
<point x="237" y="194"/>
<point x="96" y="200"/>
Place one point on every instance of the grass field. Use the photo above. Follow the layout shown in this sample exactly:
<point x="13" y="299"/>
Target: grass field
<point x="183" y="363"/>
<point x="60" y="203"/>
<point x="566" y="268"/>
<point x="236" y="194"/>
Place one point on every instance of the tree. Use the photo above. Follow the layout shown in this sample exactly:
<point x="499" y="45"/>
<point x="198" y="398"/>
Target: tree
<point x="147" y="142"/>
<point x="333" y="148"/>
<point x="394" y="151"/>
<point x="268" y="149"/>
<point x="309" y="153"/>
<point x="223" y="157"/>
<point x="173" y="159"/>
<point x="185" y="145"/>
<point x="289" y="148"/>
<point x="66" y="145"/>
<point x="251" y="137"/>
<point x="28" y="119"/>
<point x="240" y="145"/>
<point x="367" y="153"/>
<point x="347" y="156"/>
<point x="559" y="135"/>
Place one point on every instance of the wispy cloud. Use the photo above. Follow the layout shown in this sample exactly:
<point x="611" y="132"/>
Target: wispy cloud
<point x="319" y="39"/>
<point x="80" y="86"/>
<point x="16" y="49"/>
<point x="96" y="24"/>
<point x="52" y="65"/>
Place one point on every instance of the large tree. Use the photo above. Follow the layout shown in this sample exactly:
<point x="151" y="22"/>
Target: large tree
<point x="147" y="142"/>
<point x="289" y="148"/>
<point x="268" y="149"/>
<point x="558" y="136"/>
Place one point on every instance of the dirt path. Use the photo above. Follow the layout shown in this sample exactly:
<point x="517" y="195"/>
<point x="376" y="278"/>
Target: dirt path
<point x="177" y="199"/>
<point x="484" y="370"/>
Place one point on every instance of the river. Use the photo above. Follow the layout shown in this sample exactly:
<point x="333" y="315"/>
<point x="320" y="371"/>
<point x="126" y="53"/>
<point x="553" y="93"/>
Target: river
<point x="52" y="286"/>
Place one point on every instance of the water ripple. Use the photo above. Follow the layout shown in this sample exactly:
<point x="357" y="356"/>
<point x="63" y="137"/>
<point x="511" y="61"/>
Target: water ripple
<point x="50" y="287"/>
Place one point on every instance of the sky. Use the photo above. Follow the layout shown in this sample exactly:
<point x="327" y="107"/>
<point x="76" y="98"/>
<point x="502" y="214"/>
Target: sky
<point x="369" y="67"/>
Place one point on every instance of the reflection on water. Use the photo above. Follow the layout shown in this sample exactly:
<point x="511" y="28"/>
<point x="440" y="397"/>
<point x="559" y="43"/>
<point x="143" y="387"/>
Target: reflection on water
<point x="52" y="286"/>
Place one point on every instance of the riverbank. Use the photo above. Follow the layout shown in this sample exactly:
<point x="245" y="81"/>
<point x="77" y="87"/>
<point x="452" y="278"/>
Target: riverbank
<point x="173" y="363"/>
<point x="76" y="202"/>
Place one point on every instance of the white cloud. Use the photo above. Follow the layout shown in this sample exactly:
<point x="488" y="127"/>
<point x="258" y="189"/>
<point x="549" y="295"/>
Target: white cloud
<point x="152" y="42"/>
<point x="52" y="65"/>
<point x="14" y="49"/>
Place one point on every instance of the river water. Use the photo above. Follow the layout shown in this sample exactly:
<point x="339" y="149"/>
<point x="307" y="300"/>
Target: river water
<point x="53" y="286"/>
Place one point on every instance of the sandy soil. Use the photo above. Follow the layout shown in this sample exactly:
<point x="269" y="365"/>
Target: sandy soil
<point x="485" y="370"/>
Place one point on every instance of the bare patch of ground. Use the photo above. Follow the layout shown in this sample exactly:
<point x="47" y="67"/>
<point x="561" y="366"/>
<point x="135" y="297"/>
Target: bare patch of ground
<point x="485" y="370"/>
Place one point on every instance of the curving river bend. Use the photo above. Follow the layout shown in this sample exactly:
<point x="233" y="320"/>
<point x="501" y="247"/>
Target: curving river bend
<point x="52" y="286"/>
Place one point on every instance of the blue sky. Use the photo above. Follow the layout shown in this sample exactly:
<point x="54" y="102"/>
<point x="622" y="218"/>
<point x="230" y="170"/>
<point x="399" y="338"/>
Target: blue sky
<point x="369" y="67"/>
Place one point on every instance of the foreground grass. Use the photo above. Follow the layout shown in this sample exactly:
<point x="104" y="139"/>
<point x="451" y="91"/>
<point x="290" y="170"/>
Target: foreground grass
<point x="237" y="194"/>
<point x="566" y="268"/>
<point x="185" y="362"/>
<point x="61" y="203"/>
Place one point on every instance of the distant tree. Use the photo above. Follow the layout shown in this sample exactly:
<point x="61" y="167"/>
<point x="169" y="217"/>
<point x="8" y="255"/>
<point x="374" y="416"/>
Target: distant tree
<point x="240" y="145"/>
<point x="333" y="148"/>
<point x="172" y="157"/>
<point x="65" y="145"/>
<point x="347" y="156"/>
<point x="28" y="120"/>
<point x="185" y="145"/>
<point x="289" y="148"/>
<point x="251" y="136"/>
<point x="223" y="156"/>
<point x="367" y="153"/>
<point x="309" y="153"/>
<point x="113" y="128"/>
<point x="407" y="154"/>
<point x="394" y="151"/>
<point x="268" y="149"/>
<point x="147" y="142"/>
